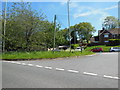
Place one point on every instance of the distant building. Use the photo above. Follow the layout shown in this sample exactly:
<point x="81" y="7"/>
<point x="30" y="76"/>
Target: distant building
<point x="104" y="36"/>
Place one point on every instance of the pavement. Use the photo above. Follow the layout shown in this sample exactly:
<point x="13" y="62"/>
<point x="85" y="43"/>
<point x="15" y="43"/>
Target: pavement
<point x="90" y="71"/>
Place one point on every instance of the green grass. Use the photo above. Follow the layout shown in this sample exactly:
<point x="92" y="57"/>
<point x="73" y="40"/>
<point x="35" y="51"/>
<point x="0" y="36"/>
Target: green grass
<point x="104" y="47"/>
<point x="42" y="54"/>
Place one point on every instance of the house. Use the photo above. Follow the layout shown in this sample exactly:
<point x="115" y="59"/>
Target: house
<point x="104" y="36"/>
<point x="94" y="39"/>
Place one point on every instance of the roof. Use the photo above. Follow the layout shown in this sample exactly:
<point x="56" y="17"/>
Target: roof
<point x="112" y="31"/>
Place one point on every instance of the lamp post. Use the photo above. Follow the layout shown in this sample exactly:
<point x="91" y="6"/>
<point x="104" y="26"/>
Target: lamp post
<point x="5" y="9"/>
<point x="54" y="32"/>
<point x="69" y="24"/>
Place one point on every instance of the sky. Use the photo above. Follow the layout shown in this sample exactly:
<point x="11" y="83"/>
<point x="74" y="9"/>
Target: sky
<point x="92" y="12"/>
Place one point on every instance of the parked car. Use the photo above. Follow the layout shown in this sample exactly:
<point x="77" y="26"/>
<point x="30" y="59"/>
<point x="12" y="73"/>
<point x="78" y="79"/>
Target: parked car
<point x="79" y="49"/>
<point x="97" y="49"/>
<point x="115" y="49"/>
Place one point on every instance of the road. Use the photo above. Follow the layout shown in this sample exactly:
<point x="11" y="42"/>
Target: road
<point x="92" y="71"/>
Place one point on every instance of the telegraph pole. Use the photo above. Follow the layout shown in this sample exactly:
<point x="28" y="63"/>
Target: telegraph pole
<point x="69" y="25"/>
<point x="5" y="9"/>
<point x="54" y="32"/>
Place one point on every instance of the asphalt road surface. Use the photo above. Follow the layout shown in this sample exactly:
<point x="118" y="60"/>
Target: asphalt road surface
<point x="92" y="71"/>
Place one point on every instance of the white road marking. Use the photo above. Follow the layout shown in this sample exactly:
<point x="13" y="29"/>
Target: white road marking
<point x="38" y="66"/>
<point x="61" y="69"/>
<point x="93" y="74"/>
<point x="5" y="61"/>
<point x="30" y="64"/>
<point x="105" y="76"/>
<point x="74" y="71"/>
<point x="48" y="67"/>
<point x="13" y="62"/>
<point x="23" y="63"/>
<point x="18" y="63"/>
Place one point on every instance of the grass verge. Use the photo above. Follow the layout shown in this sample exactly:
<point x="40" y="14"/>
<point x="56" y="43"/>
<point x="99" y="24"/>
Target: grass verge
<point x="42" y="54"/>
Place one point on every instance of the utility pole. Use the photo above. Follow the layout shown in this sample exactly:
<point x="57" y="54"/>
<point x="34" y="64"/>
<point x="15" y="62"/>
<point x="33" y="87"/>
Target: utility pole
<point x="5" y="9"/>
<point x="54" y="32"/>
<point x="69" y="25"/>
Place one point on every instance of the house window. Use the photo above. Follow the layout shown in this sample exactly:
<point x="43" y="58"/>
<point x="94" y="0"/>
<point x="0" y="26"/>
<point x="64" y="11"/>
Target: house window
<point x="106" y="35"/>
<point x="106" y="41"/>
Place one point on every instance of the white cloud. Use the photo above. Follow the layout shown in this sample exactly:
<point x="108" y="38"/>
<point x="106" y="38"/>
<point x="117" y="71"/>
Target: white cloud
<point x="82" y="15"/>
<point x="92" y="11"/>
<point x="109" y="8"/>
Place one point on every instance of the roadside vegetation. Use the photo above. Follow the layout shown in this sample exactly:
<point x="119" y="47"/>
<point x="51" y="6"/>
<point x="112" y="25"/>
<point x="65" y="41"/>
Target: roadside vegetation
<point x="29" y="35"/>
<point x="42" y="54"/>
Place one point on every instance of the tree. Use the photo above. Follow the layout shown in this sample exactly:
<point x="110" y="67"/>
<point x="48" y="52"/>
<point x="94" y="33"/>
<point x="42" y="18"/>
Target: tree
<point x="61" y="37"/>
<point x="85" y="31"/>
<point x="22" y="24"/>
<point x="110" y="22"/>
<point x="73" y="35"/>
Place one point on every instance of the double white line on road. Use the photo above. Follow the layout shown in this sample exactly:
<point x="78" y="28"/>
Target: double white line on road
<point x="61" y="69"/>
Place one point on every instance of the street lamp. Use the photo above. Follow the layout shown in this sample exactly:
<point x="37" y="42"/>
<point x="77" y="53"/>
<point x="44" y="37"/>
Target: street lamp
<point x="5" y="9"/>
<point x="69" y="24"/>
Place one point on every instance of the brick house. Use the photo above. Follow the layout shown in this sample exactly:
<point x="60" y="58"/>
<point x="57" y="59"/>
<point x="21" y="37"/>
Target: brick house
<point x="105" y="35"/>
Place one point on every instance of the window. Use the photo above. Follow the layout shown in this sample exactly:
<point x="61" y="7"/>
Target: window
<point x="106" y="41"/>
<point x="106" y="35"/>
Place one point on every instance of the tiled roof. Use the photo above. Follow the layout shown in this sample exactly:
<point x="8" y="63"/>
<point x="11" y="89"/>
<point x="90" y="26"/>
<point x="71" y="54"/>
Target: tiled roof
<point x="115" y="31"/>
<point x="112" y="31"/>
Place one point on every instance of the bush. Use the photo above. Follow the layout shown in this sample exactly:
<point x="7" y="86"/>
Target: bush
<point x="114" y="42"/>
<point x="74" y="46"/>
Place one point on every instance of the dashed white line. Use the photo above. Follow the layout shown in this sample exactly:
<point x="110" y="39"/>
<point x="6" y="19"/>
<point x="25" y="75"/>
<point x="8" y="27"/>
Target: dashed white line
<point x="93" y="74"/>
<point x="48" y="67"/>
<point x="23" y="63"/>
<point x="13" y="62"/>
<point x="38" y="66"/>
<point x="61" y="69"/>
<point x="74" y="71"/>
<point x="18" y="63"/>
<point x="30" y="64"/>
<point x="5" y="61"/>
<point x="106" y="76"/>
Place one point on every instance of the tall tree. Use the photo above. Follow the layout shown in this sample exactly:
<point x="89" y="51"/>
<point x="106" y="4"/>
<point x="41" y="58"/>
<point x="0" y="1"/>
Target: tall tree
<point x="73" y="35"/>
<point x="22" y="23"/>
<point x="110" y="22"/>
<point x="85" y="31"/>
<point x="61" y="37"/>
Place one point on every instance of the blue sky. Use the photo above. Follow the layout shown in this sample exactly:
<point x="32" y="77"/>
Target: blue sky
<point x="93" y="12"/>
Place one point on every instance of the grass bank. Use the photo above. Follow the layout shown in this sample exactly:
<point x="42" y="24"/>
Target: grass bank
<point x="42" y="54"/>
<point x="104" y="47"/>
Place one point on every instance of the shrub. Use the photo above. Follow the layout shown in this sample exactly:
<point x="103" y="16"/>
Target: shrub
<point x="74" y="46"/>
